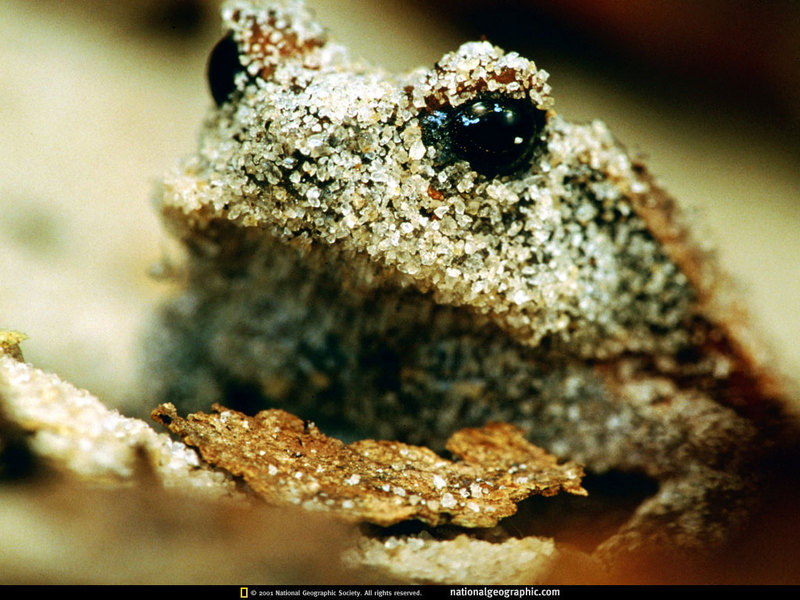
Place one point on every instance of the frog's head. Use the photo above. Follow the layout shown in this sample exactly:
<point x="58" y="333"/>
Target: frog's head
<point x="461" y="179"/>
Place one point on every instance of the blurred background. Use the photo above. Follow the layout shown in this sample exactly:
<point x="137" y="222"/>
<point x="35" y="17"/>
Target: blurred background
<point x="97" y="99"/>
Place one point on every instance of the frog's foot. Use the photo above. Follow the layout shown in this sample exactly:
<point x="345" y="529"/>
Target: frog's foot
<point x="692" y="514"/>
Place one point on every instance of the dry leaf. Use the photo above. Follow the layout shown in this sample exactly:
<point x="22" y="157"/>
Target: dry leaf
<point x="290" y="462"/>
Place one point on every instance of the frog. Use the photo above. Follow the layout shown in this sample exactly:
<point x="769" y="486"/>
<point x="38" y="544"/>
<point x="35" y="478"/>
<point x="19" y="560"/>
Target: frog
<point x="403" y="255"/>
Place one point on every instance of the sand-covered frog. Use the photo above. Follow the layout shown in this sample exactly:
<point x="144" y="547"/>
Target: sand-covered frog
<point x="399" y="256"/>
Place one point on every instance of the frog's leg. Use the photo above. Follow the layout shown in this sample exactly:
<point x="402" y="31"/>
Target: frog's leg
<point x="698" y="450"/>
<point x="692" y="513"/>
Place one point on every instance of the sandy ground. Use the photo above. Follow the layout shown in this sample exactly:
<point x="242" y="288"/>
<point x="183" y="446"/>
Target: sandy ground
<point x="96" y="101"/>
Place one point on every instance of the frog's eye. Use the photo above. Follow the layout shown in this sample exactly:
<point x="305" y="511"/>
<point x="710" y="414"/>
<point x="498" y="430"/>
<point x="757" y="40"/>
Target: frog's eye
<point x="223" y="66"/>
<point x="495" y="135"/>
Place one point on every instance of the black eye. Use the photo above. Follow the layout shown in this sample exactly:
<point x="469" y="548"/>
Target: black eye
<point x="223" y="65"/>
<point x="495" y="135"/>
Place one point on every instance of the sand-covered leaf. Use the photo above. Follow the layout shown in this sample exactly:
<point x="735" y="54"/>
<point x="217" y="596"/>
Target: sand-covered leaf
<point x="290" y="462"/>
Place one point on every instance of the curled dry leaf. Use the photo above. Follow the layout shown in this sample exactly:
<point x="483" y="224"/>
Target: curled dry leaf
<point x="290" y="462"/>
